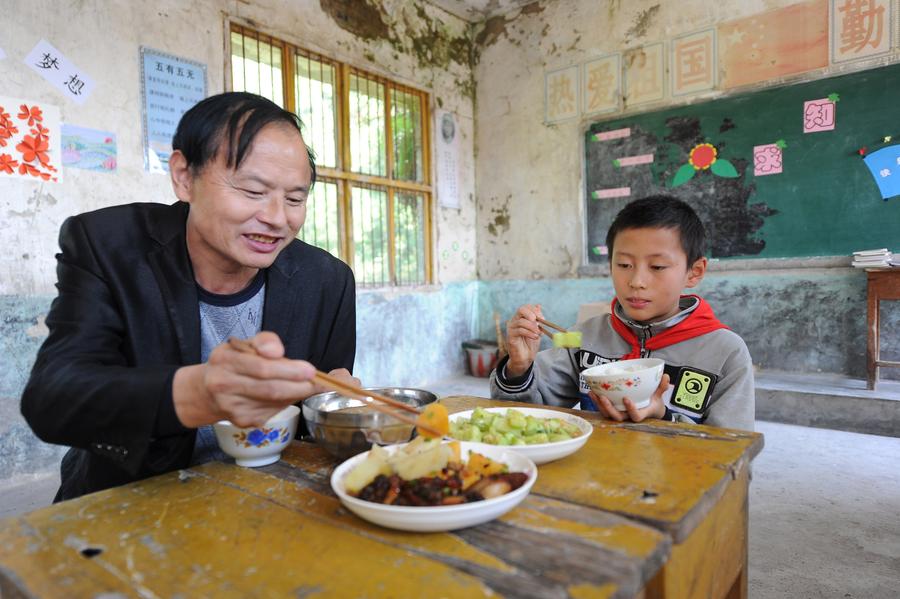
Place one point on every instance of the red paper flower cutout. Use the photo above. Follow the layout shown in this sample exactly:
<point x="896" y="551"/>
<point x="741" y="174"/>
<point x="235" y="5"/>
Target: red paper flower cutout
<point x="33" y="114"/>
<point x="7" y="164"/>
<point x="34" y="148"/>
<point x="703" y="156"/>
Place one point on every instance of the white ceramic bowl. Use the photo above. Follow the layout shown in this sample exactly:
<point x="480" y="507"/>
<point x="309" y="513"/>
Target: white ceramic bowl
<point x="632" y="379"/>
<point x="259" y="445"/>
<point x="441" y="517"/>
<point x="541" y="453"/>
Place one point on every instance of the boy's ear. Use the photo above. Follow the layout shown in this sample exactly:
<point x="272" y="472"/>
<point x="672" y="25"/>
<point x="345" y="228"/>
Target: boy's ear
<point x="696" y="272"/>
<point x="182" y="176"/>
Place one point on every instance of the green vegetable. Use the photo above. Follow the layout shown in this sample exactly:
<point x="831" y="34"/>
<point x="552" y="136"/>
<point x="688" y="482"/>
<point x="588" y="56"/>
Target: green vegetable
<point x="511" y="428"/>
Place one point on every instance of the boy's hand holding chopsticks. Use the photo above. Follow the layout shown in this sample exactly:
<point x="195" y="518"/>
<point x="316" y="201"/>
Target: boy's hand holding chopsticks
<point x="524" y="332"/>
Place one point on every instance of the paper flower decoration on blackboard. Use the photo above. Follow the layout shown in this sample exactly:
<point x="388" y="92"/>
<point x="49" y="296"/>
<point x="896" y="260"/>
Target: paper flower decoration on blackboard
<point x="703" y="157"/>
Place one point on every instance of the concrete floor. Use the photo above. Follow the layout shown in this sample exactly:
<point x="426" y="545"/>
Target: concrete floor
<point x="824" y="510"/>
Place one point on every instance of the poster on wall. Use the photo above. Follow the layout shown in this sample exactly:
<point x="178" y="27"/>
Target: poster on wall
<point x="88" y="149"/>
<point x="29" y="140"/>
<point x="447" y="127"/>
<point x="170" y="86"/>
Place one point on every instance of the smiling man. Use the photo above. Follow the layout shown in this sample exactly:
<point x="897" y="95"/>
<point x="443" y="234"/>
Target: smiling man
<point x="136" y="367"/>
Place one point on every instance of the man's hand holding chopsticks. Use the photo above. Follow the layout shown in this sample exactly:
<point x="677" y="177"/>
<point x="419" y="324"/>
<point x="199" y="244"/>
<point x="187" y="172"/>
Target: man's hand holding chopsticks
<point x="245" y="387"/>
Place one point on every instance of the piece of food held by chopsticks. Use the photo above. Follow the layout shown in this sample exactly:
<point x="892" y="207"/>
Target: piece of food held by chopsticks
<point x="427" y="472"/>
<point x="432" y="422"/>
<point x="564" y="338"/>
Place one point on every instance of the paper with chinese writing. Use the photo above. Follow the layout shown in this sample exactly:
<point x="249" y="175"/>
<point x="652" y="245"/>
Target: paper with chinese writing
<point x="50" y="64"/>
<point x="819" y="115"/>
<point x="561" y="94"/>
<point x="644" y="69"/>
<point x="860" y="29"/>
<point x="601" y="83"/>
<point x="171" y="86"/>
<point x="29" y="140"/>
<point x="884" y="165"/>
<point x="694" y="62"/>
<point x="447" y="151"/>
<point x="766" y="160"/>
<point x="88" y="149"/>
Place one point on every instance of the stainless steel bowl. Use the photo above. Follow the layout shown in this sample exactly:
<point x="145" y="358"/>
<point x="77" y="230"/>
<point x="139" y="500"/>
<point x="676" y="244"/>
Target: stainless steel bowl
<point x="344" y="432"/>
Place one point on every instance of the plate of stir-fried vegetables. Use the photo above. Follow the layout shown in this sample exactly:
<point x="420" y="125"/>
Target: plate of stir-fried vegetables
<point x="433" y="485"/>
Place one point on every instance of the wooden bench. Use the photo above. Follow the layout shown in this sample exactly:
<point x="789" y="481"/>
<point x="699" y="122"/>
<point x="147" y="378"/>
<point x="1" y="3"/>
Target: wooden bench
<point x="881" y="285"/>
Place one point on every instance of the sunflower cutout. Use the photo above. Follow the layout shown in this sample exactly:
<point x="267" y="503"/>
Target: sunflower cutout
<point x="702" y="157"/>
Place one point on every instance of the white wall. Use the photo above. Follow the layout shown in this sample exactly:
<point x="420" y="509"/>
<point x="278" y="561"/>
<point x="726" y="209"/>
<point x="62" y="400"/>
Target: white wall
<point x="103" y="37"/>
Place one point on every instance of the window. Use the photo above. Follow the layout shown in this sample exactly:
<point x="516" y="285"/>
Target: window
<point x="371" y="205"/>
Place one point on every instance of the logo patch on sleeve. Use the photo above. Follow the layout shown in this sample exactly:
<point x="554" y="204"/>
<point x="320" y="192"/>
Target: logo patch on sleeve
<point x="693" y="390"/>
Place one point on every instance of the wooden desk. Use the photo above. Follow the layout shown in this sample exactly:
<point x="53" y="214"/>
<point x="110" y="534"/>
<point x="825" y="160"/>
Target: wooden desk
<point x="880" y="285"/>
<point x="642" y="510"/>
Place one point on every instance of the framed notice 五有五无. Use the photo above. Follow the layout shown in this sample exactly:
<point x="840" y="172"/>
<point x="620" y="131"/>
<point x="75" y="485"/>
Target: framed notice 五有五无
<point x="170" y="86"/>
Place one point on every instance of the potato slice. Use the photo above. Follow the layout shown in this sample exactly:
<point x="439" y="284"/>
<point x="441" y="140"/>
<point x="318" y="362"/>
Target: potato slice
<point x="425" y="463"/>
<point x="366" y="471"/>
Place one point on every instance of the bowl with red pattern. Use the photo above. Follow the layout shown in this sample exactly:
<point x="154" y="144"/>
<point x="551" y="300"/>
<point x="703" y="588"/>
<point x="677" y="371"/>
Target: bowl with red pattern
<point x="632" y="379"/>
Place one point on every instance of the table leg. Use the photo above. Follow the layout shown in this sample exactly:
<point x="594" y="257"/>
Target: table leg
<point x="712" y="561"/>
<point x="872" y="341"/>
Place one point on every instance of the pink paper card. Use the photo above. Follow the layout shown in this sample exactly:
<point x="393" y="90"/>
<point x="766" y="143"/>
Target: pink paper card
<point x="766" y="160"/>
<point x="616" y="192"/>
<point x="614" y="134"/>
<point x="634" y="160"/>
<point x="818" y="115"/>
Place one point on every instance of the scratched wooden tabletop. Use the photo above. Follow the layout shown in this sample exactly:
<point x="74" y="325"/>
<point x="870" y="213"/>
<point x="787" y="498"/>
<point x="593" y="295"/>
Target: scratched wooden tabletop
<point x="600" y="523"/>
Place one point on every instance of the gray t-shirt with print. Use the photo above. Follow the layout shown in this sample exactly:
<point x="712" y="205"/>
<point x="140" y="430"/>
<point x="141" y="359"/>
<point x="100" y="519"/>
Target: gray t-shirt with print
<point x="223" y="316"/>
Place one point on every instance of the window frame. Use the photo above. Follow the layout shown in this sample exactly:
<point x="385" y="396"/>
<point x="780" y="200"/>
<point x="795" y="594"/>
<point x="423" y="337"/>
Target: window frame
<point x="341" y="174"/>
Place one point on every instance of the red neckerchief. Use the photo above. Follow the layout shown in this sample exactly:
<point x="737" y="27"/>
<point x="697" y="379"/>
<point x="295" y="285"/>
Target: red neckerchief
<point x="699" y="322"/>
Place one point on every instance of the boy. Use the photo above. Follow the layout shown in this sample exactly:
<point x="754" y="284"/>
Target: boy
<point x="656" y="248"/>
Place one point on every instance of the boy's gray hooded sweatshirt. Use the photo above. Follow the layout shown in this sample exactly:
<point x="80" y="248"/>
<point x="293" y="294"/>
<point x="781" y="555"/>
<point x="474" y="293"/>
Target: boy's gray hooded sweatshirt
<point x="555" y="377"/>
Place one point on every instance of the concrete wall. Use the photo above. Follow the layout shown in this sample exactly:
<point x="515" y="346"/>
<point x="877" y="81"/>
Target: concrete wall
<point x="409" y="41"/>
<point x="530" y="189"/>
<point x="796" y="320"/>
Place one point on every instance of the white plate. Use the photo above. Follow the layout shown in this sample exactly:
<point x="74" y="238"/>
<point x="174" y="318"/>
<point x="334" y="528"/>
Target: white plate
<point x="441" y="517"/>
<point x="541" y="453"/>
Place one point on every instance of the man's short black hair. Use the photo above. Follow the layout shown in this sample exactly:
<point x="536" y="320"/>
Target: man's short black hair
<point x="662" y="212"/>
<point x="235" y="118"/>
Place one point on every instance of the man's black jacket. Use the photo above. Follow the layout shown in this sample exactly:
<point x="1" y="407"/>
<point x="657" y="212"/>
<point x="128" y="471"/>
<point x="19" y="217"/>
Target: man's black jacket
<point x="126" y="318"/>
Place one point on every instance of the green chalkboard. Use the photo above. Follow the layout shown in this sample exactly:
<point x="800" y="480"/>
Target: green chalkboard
<point x="825" y="202"/>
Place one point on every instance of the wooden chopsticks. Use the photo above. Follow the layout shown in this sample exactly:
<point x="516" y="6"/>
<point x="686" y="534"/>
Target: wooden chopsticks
<point x="552" y="326"/>
<point x="350" y="390"/>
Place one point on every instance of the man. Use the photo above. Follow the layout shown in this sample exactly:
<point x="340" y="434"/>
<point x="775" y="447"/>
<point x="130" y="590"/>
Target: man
<point x="135" y="362"/>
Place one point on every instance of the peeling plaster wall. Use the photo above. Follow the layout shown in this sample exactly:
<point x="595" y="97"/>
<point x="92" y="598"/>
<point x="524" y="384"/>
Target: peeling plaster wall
<point x="530" y="195"/>
<point x="407" y="40"/>
<point x="529" y="174"/>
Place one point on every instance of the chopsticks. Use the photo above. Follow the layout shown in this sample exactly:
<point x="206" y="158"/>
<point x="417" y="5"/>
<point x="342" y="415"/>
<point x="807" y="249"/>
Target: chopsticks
<point x="350" y="390"/>
<point x="552" y="326"/>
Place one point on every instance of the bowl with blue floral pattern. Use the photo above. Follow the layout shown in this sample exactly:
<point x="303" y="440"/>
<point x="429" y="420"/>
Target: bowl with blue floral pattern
<point x="255" y="446"/>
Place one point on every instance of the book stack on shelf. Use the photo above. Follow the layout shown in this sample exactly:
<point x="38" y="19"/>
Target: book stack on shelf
<point x="875" y="259"/>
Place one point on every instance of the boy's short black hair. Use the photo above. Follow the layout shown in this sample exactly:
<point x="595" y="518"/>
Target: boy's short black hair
<point x="662" y="212"/>
<point x="233" y="117"/>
